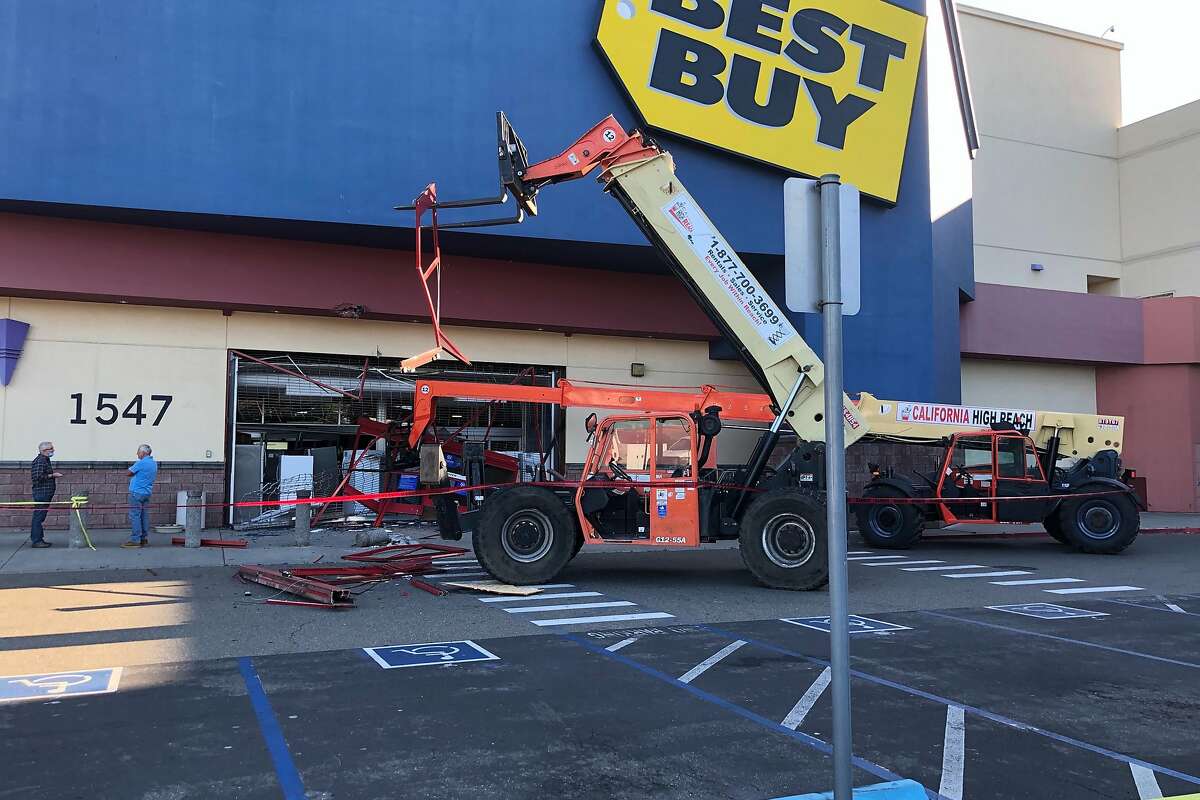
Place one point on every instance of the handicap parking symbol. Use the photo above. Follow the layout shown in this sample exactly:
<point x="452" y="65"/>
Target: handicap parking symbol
<point x="1047" y="611"/>
<point x="59" y="684"/>
<point x="430" y="654"/>
<point x="857" y="624"/>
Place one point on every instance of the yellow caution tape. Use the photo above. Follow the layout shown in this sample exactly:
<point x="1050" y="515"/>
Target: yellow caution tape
<point x="77" y="502"/>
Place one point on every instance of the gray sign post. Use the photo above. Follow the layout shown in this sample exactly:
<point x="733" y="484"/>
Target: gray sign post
<point x="822" y="230"/>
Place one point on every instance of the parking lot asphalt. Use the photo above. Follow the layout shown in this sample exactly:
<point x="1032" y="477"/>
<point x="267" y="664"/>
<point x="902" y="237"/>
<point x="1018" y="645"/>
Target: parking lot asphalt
<point x="636" y="675"/>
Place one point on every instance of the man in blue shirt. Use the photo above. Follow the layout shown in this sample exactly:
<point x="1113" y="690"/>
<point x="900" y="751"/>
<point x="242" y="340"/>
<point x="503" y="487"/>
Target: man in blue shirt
<point x="141" y="484"/>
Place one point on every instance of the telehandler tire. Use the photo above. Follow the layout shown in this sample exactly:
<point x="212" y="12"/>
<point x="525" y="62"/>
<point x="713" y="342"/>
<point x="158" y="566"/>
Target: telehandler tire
<point x="889" y="527"/>
<point x="1106" y="524"/>
<point x="1053" y="526"/>
<point x="525" y="535"/>
<point x="784" y="542"/>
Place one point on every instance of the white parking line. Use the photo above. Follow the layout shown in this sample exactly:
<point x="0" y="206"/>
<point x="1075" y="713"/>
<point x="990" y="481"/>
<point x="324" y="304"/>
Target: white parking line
<point x="951" y="566"/>
<point x="872" y="558"/>
<point x="860" y="552"/>
<point x="953" y="752"/>
<point x="456" y="561"/>
<point x="1170" y="606"/>
<point x="799" y="711"/>
<point x="602" y="618"/>
<point x="1146" y="782"/>
<point x="528" y="597"/>
<point x="702" y="667"/>
<point x="568" y="606"/>
<point x="1094" y="589"/>
<point x="1002" y="574"/>
<point x="901" y="563"/>
<point x="1037" y="581"/>
<point x="612" y="648"/>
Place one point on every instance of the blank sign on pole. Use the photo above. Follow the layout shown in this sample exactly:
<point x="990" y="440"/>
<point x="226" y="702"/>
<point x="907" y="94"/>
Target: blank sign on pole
<point x="802" y="245"/>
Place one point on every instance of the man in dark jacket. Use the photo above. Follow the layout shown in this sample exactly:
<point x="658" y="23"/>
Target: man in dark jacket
<point x="42" y="476"/>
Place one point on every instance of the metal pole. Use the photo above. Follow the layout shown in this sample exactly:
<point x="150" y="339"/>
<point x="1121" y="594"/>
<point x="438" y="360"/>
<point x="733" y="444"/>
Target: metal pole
<point x="835" y="497"/>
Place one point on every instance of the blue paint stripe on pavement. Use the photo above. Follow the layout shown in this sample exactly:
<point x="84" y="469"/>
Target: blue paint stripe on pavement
<point x="1066" y="639"/>
<point x="980" y="712"/>
<point x="745" y="713"/>
<point x="285" y="768"/>
<point x="896" y="790"/>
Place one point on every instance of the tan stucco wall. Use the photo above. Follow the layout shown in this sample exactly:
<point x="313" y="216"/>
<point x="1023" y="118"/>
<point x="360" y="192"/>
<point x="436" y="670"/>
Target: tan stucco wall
<point x="1160" y="203"/>
<point x="91" y="348"/>
<point x="1041" y="387"/>
<point x="1048" y="104"/>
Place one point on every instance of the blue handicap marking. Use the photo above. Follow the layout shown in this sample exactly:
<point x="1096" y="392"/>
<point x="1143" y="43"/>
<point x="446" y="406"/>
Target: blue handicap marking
<point x="895" y="790"/>
<point x="1047" y="611"/>
<point x="59" y="684"/>
<point x="857" y="624"/>
<point x="430" y="654"/>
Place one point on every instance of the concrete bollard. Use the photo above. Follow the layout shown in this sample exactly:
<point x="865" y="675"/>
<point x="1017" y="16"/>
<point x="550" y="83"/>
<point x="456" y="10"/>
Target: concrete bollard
<point x="303" y="519"/>
<point x="75" y="524"/>
<point x="193" y="519"/>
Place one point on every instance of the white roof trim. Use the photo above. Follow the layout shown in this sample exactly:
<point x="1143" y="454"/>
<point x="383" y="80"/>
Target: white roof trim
<point x="1038" y="26"/>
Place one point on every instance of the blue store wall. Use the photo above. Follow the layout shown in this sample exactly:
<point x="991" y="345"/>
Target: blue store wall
<point x="316" y="111"/>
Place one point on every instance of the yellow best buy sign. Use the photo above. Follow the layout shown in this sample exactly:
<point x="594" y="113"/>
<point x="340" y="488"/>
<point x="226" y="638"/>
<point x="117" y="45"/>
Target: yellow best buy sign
<point x="813" y="86"/>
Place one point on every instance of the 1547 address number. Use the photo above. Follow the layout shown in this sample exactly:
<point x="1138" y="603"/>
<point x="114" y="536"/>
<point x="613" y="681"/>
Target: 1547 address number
<point x="108" y="405"/>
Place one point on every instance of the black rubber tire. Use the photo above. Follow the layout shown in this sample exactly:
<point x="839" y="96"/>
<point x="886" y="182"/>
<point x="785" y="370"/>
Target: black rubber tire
<point x="536" y="524"/>
<point x="889" y="527"/>
<point x="578" y="544"/>
<point x="1053" y="526"/>
<point x="800" y="521"/>
<point x="1121" y="525"/>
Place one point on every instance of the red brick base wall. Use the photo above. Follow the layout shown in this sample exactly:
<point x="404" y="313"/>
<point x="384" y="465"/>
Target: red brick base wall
<point x="107" y="487"/>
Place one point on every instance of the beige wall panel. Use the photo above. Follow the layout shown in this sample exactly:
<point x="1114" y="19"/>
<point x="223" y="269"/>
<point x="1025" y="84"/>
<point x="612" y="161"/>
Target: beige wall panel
<point x="1017" y="384"/>
<point x="1045" y="200"/>
<point x="1160" y="129"/>
<point x="1062" y="273"/>
<point x="1160" y="201"/>
<point x="38" y="403"/>
<point x="59" y="321"/>
<point x="1177" y="272"/>
<point x="1033" y="85"/>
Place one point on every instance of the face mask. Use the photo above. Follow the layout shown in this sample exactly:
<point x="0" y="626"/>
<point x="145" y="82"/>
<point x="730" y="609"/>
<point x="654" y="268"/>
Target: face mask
<point x="49" y="454"/>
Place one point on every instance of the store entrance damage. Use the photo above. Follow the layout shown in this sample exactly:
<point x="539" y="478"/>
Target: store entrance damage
<point x="338" y="424"/>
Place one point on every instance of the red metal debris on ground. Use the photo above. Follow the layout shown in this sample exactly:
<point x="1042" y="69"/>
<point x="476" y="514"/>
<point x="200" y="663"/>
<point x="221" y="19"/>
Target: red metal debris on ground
<point x="178" y="541"/>
<point x="330" y="586"/>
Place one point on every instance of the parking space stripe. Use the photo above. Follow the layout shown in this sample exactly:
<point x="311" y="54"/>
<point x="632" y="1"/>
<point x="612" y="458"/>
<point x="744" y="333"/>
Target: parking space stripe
<point x="796" y="716"/>
<point x="953" y="753"/>
<point x="745" y="713"/>
<point x="1066" y="639"/>
<point x="527" y="597"/>
<point x="859" y="552"/>
<point x="702" y="667"/>
<point x="568" y="606"/>
<point x="285" y="769"/>
<point x="603" y="618"/>
<point x="902" y="563"/>
<point x="980" y="712"/>
<point x="1174" y="608"/>
<point x="952" y="566"/>
<point x="1002" y="574"/>
<point x="1146" y="783"/>
<point x="612" y="648"/>
<point x="1037" y="581"/>
<point x="1095" y="589"/>
<point x="872" y="558"/>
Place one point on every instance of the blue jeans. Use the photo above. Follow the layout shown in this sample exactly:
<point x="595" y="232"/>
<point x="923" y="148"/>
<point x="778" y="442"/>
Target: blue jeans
<point x="39" y="516"/>
<point x="139" y="517"/>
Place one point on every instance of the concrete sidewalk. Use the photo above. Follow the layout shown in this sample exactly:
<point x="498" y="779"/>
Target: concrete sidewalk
<point x="16" y="556"/>
<point x="277" y="547"/>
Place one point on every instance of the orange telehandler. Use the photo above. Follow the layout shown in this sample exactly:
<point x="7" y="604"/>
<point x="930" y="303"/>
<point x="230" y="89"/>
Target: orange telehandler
<point x="648" y="477"/>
